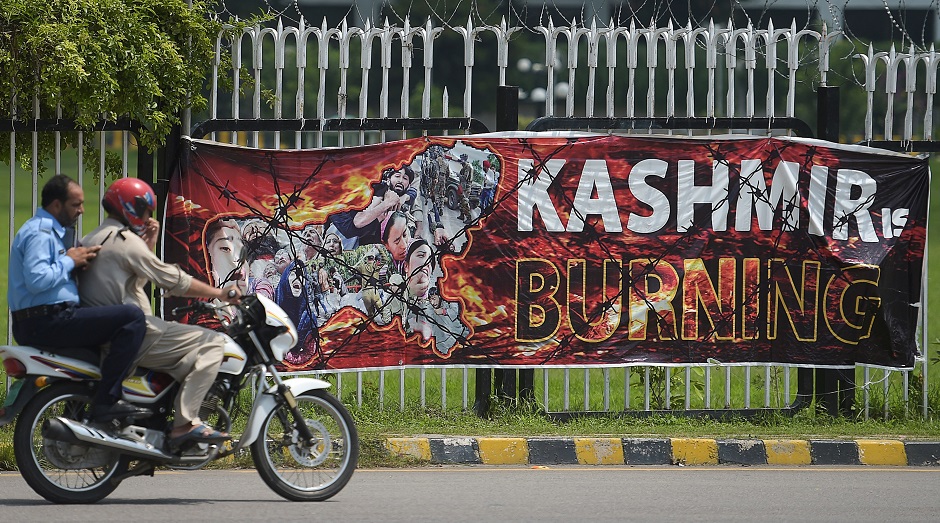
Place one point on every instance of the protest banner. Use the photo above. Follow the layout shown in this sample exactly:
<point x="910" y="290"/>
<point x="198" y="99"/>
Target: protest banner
<point x="576" y="249"/>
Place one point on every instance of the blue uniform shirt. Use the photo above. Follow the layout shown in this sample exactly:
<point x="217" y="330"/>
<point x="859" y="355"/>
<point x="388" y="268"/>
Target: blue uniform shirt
<point x="39" y="267"/>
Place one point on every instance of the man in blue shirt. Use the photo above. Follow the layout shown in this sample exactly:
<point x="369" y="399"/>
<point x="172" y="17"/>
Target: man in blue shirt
<point x="44" y="299"/>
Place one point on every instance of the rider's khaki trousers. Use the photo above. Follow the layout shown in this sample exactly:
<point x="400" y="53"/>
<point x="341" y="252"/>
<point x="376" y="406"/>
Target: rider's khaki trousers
<point x="191" y="354"/>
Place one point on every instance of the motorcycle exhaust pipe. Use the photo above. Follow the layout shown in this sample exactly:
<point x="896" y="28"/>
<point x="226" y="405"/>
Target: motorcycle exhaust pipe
<point x="57" y="430"/>
<point x="83" y="434"/>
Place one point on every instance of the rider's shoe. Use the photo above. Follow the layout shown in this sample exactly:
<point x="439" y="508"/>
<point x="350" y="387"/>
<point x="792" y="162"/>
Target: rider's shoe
<point x="121" y="409"/>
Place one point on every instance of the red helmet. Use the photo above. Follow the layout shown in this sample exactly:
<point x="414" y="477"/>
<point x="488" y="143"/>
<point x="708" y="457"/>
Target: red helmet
<point x="131" y="198"/>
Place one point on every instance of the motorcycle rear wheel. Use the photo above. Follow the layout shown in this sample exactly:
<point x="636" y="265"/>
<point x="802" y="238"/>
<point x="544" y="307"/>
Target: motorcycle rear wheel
<point x="300" y="472"/>
<point x="59" y="471"/>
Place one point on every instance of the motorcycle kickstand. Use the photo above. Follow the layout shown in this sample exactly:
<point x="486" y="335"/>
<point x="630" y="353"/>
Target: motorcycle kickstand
<point x="143" y="468"/>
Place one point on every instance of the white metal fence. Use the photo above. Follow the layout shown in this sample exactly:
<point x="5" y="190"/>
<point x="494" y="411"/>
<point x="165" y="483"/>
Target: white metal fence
<point x="308" y="72"/>
<point x="713" y="71"/>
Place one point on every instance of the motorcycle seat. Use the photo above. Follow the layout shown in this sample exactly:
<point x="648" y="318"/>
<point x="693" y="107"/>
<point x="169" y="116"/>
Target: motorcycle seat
<point x="87" y="354"/>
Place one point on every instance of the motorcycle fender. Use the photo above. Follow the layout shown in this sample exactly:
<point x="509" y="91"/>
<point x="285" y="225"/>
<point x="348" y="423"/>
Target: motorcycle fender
<point x="27" y="389"/>
<point x="266" y="402"/>
<point x="42" y="363"/>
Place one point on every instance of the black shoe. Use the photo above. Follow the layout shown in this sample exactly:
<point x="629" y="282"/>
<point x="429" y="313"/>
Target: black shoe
<point x="121" y="409"/>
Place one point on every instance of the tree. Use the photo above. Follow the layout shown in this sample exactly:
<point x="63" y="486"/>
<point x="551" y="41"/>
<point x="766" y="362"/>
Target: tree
<point x="103" y="59"/>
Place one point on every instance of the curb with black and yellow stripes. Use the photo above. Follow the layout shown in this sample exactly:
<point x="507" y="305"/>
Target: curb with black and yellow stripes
<point x="666" y="451"/>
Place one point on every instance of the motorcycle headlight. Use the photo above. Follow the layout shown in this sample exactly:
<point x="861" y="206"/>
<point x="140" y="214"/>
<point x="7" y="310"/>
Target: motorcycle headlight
<point x="282" y="343"/>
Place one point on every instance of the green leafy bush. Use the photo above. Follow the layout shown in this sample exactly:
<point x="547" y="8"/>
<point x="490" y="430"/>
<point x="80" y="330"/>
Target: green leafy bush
<point x="99" y="60"/>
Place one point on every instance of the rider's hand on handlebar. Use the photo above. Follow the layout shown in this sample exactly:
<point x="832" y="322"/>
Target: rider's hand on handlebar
<point x="230" y="294"/>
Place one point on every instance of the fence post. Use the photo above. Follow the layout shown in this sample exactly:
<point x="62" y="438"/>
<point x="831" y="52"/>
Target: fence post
<point x="507" y="108"/>
<point x="835" y="388"/>
<point x="483" y="385"/>
<point x="166" y="159"/>
<point x="827" y="113"/>
<point x="507" y="119"/>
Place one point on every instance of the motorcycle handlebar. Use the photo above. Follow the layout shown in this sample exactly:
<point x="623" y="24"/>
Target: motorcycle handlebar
<point x="202" y="307"/>
<point x="196" y="306"/>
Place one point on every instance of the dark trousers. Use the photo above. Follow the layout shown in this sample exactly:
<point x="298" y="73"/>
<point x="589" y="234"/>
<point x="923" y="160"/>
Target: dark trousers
<point x="123" y="326"/>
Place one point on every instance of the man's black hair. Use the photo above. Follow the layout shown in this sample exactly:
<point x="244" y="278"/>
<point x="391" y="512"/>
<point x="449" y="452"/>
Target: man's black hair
<point x="392" y="218"/>
<point x="414" y="245"/>
<point x="57" y="188"/>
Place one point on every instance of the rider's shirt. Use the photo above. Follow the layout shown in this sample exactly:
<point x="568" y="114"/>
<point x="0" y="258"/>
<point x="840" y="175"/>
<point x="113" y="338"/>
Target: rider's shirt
<point x="123" y="267"/>
<point x="39" y="265"/>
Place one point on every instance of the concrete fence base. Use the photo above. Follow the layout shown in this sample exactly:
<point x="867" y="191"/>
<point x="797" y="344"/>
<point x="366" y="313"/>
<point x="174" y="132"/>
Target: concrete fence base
<point x="664" y="451"/>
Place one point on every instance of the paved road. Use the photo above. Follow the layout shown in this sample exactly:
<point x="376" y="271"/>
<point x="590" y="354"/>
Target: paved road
<point x="489" y="493"/>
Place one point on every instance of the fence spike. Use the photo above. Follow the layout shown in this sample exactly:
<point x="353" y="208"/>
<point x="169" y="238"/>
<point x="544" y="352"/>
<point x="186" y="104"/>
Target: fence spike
<point x="690" y="37"/>
<point x="573" y="34"/>
<point x="551" y="46"/>
<point x="793" y="64"/>
<point x="910" y="85"/>
<point x="469" y="34"/>
<point x="652" y="60"/>
<point x="611" y="34"/>
<point x="345" y="36"/>
<point x="771" y="37"/>
<point x="870" y="61"/>
<point x="503" y="34"/>
<point x="712" y="40"/>
<point x="406" y="35"/>
<point x="931" y="59"/>
<point x="428" y="34"/>
<point x="633" y="43"/>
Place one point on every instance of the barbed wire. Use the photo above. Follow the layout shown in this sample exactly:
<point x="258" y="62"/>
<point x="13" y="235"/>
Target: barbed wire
<point x="644" y="14"/>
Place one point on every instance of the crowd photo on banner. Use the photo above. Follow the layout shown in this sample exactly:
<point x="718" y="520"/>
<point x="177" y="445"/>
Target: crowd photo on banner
<point x="381" y="260"/>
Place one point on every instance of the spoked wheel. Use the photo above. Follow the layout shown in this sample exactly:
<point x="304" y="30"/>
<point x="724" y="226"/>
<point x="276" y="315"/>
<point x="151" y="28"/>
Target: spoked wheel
<point x="60" y="471"/>
<point x="301" y="472"/>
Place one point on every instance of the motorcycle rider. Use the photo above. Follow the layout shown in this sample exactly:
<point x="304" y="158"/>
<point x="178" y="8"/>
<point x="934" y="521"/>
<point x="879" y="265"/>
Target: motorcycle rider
<point x="126" y="262"/>
<point x="44" y="297"/>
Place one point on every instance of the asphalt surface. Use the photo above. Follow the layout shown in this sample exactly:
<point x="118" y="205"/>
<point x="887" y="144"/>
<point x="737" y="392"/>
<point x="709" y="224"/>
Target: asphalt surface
<point x="500" y="493"/>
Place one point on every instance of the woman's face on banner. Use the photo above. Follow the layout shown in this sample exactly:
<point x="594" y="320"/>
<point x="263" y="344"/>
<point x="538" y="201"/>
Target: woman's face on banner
<point x="296" y="283"/>
<point x="225" y="247"/>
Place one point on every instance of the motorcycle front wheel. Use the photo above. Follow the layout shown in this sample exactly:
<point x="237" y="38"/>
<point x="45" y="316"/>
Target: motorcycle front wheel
<point x="60" y="471"/>
<point x="299" y="471"/>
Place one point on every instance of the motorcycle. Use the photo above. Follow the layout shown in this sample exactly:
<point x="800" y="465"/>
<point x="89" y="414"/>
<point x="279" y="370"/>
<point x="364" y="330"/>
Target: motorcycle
<point x="303" y="441"/>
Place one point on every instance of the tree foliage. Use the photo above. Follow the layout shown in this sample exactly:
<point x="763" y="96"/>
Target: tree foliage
<point x="105" y="59"/>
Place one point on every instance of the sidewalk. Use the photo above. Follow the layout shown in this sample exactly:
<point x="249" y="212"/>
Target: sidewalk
<point x="663" y="451"/>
